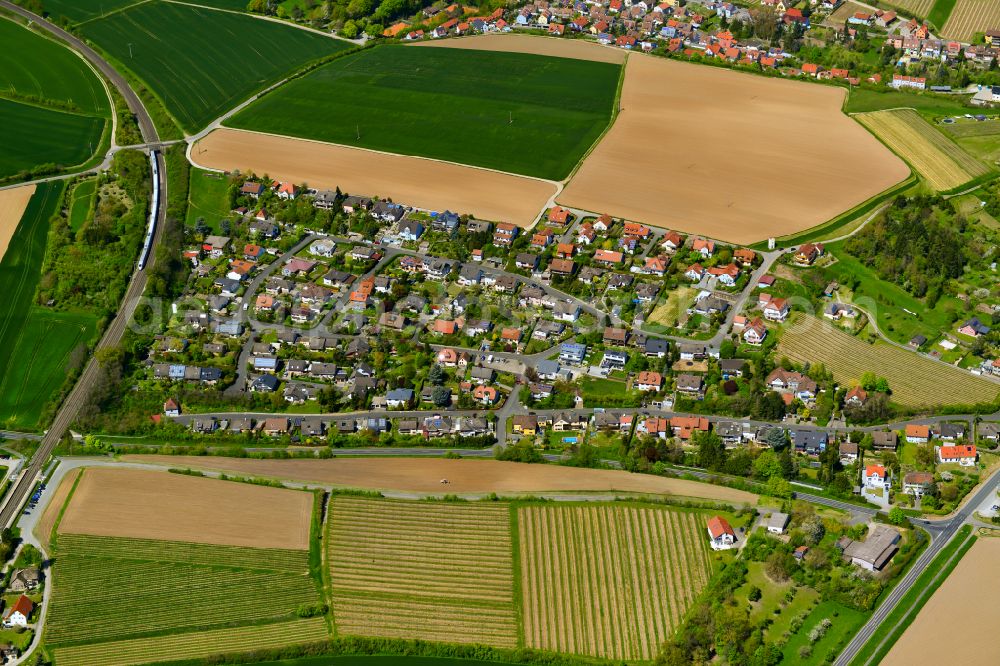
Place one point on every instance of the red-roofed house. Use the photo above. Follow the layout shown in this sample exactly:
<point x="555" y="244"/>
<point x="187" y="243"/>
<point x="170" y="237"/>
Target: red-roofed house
<point x="918" y="434"/>
<point x="609" y="257"/>
<point x="721" y="533"/>
<point x="444" y="327"/>
<point x="685" y="426"/>
<point x="876" y="477"/>
<point x="649" y="381"/>
<point x="755" y="332"/>
<point x="705" y="247"/>
<point x="18" y="614"/>
<point x="558" y="215"/>
<point x="964" y="454"/>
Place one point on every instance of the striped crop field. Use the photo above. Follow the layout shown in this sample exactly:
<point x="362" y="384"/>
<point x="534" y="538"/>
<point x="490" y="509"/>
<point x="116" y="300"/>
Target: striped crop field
<point x="919" y="8"/>
<point x="194" y="645"/>
<point x="608" y="581"/>
<point x="971" y="16"/>
<point x="109" y="589"/>
<point x="436" y="571"/>
<point x="940" y="161"/>
<point x="915" y="381"/>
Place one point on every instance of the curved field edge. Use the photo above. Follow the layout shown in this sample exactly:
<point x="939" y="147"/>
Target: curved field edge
<point x="907" y="609"/>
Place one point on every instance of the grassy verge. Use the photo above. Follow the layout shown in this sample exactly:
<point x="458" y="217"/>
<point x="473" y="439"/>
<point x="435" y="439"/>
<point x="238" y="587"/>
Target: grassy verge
<point x="939" y="14"/>
<point x="919" y="594"/>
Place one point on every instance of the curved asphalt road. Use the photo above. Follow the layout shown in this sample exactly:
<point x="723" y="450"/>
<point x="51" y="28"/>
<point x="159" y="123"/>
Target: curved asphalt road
<point x="112" y="336"/>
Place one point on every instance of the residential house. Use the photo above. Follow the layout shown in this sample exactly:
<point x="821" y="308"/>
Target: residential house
<point x="399" y="398"/>
<point x="19" y="613"/>
<point x="875" y="551"/>
<point x="720" y="533"/>
<point x="808" y="253"/>
<point x="777" y="522"/>
<point x="963" y="454"/>
<point x="876" y="477"/>
<point x="689" y="384"/>
<point x="810" y="442"/>
<point x="884" y="440"/>
<point x="917" y="483"/>
<point x="572" y="352"/>
<point x="649" y="381"/>
<point x="917" y="434"/>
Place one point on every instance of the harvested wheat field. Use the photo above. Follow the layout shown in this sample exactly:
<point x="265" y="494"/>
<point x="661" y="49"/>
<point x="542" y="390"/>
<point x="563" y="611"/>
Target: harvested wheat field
<point x="536" y="44"/>
<point x="431" y="570"/>
<point x="145" y="504"/>
<point x="13" y="201"/>
<point x="423" y="475"/>
<point x="413" y="181"/>
<point x="975" y="581"/>
<point x="941" y="161"/>
<point x="707" y="150"/>
<point x="609" y="581"/>
<point x="43" y="528"/>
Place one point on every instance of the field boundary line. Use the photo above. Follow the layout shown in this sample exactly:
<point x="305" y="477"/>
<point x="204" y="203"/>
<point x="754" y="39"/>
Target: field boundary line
<point x="372" y="150"/>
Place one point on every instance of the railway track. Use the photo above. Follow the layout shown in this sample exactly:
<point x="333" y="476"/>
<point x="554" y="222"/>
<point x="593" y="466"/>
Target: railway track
<point x="113" y="334"/>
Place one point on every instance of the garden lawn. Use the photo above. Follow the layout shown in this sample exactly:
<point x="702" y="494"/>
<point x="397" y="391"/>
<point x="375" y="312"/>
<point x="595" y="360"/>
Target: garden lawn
<point x="520" y="113"/>
<point x="41" y="351"/>
<point x="32" y="65"/>
<point x="33" y="136"/>
<point x="846" y="622"/>
<point x="208" y="197"/>
<point x="202" y="62"/>
<point x="20" y="270"/>
<point x="596" y="388"/>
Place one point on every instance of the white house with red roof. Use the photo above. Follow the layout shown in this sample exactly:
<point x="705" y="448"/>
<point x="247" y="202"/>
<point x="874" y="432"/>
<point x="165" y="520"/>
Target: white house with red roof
<point x="649" y="381"/>
<point x="876" y="477"/>
<point x="755" y="332"/>
<point x="963" y="454"/>
<point x="721" y="533"/>
<point x="18" y="614"/>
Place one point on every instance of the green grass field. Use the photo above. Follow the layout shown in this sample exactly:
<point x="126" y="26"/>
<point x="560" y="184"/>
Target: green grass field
<point x="208" y="197"/>
<point x="32" y="65"/>
<point x="163" y="587"/>
<point x="202" y="62"/>
<point x="940" y="12"/>
<point x="81" y="205"/>
<point x="47" y="339"/>
<point x="34" y="136"/>
<point x="20" y="270"/>
<point x="78" y="11"/>
<point x="928" y="104"/>
<point x="53" y="108"/>
<point x="521" y="113"/>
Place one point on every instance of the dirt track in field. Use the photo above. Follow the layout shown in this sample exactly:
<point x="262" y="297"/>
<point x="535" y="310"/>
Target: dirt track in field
<point x="12" y="205"/>
<point x="412" y="181"/>
<point x="729" y="155"/>
<point x="145" y="504"/>
<point x="43" y="528"/>
<point x="536" y="44"/>
<point x="968" y="596"/>
<point x="464" y="476"/>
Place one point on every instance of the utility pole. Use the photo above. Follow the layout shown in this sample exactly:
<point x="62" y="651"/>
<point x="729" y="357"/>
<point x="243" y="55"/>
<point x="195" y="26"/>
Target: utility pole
<point x="130" y="50"/>
<point x="358" y="130"/>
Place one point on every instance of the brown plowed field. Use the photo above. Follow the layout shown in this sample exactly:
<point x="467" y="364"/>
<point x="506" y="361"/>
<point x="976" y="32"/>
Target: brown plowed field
<point x="146" y="504"/>
<point x="975" y="581"/>
<point x="729" y="155"/>
<point x="464" y="476"/>
<point x="538" y="45"/>
<point x="413" y="181"/>
<point x="12" y="205"/>
<point x="43" y="529"/>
